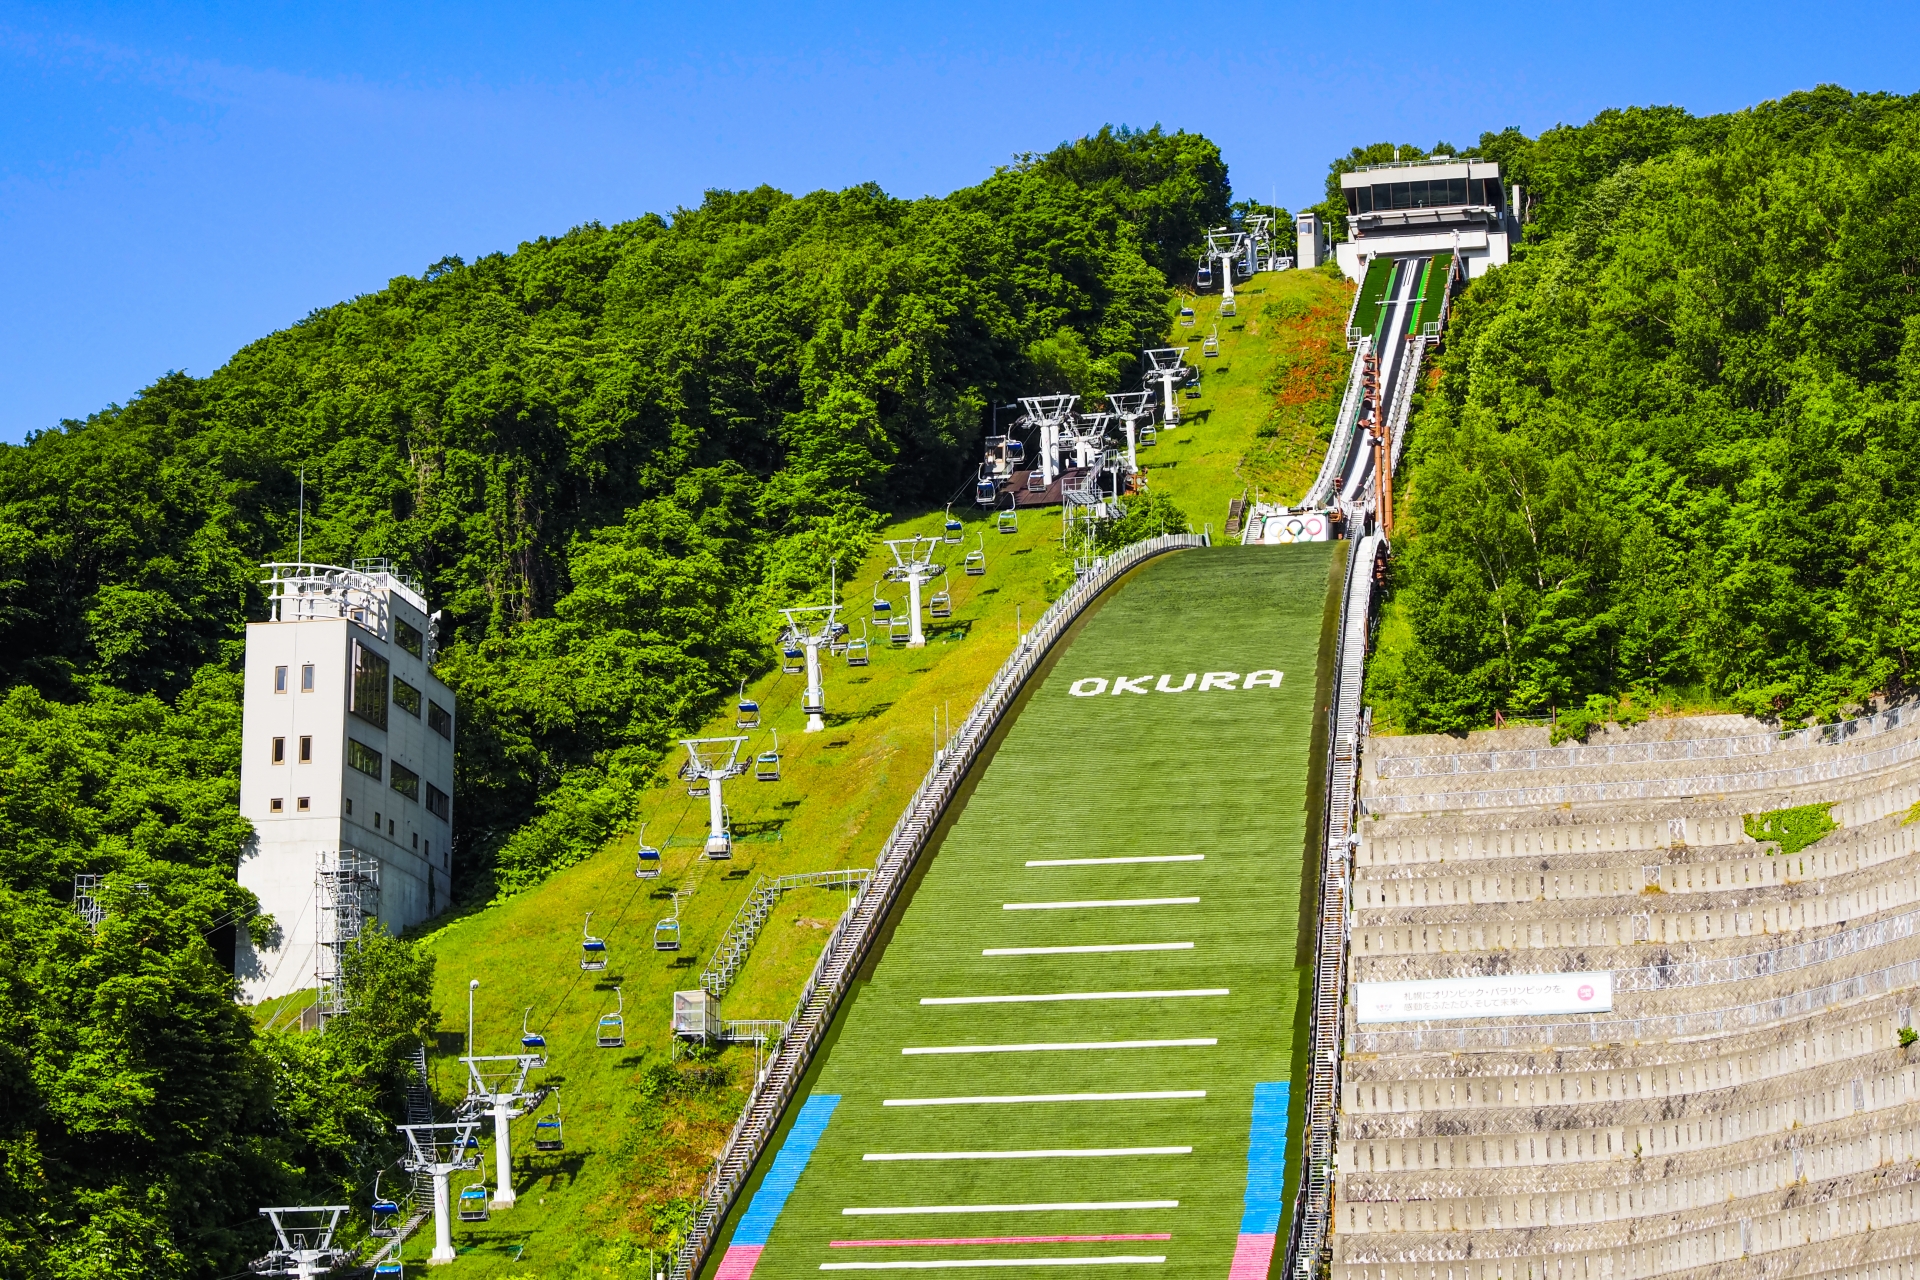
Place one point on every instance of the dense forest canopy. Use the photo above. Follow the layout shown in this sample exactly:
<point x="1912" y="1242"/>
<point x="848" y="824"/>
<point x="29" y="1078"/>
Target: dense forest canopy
<point x="606" y="454"/>
<point x="1672" y="448"/>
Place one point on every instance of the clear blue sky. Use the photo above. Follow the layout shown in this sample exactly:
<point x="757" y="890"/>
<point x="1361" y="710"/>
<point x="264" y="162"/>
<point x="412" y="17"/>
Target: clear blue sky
<point x="178" y="179"/>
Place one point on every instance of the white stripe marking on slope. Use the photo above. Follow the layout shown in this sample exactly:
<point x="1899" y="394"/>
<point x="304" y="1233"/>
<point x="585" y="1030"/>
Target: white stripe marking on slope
<point x="1055" y="1153"/>
<point x="1108" y="862"/>
<point x="1079" y="995"/>
<point x="1196" y="1042"/>
<point x="940" y="1264"/>
<point x="1098" y="902"/>
<point x="1089" y="949"/>
<point x="1140" y="1095"/>
<point x="893" y="1211"/>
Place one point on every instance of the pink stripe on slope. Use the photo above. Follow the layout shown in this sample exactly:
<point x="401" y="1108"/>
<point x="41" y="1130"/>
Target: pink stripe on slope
<point x="739" y="1262"/>
<point x="1252" y="1256"/>
<point x="964" y="1240"/>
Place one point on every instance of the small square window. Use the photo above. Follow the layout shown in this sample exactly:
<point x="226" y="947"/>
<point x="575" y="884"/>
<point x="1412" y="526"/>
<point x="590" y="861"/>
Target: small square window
<point x="302" y="804"/>
<point x="376" y="819"/>
<point x="279" y="750"/>
<point x="306" y="748"/>
<point x="279" y="679"/>
<point x="349" y="806"/>
<point x="276" y="804"/>
<point x="306" y="677"/>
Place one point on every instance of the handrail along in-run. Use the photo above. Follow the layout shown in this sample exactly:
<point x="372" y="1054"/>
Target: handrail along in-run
<point x="850" y="940"/>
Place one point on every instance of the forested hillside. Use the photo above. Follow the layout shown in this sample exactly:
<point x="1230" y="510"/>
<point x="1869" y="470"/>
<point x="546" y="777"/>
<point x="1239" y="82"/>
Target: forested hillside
<point x="606" y="455"/>
<point x="1671" y="451"/>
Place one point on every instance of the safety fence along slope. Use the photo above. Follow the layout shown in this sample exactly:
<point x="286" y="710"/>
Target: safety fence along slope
<point x="854" y="936"/>
<point x="1313" y="1209"/>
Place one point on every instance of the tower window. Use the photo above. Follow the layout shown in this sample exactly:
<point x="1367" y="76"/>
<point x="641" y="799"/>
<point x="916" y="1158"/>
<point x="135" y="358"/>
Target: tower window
<point x="409" y="638"/>
<point x="276" y="804"/>
<point x="369" y="697"/>
<point x="406" y="782"/>
<point x="279" y="679"/>
<point x="306" y="748"/>
<point x="279" y="750"/>
<point x="349" y="806"/>
<point x="306" y="677"/>
<point x="416" y="839"/>
<point x="364" y="758"/>
<point x="437" y="802"/>
<point x="439" y="720"/>
<point x="389" y="826"/>
<point x="406" y="697"/>
<point x="303" y="804"/>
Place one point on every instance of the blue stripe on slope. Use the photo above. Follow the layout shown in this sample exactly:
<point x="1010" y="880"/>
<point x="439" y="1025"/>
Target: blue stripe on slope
<point x="756" y="1224"/>
<point x="1266" y="1160"/>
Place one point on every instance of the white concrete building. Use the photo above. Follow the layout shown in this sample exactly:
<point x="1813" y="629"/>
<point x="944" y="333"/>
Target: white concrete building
<point x="347" y="748"/>
<point x="1420" y="207"/>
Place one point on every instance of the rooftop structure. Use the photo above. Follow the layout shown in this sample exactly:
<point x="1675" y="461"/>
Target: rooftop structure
<point x="1421" y="207"/>
<point x="346" y="769"/>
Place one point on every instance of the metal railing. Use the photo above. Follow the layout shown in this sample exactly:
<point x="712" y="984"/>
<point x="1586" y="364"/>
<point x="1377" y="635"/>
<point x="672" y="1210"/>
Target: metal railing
<point x="1313" y="1203"/>
<point x="731" y="952"/>
<point x="1672" y="1026"/>
<point x="1581" y="756"/>
<point x="1671" y="787"/>
<point x="847" y="946"/>
<point x="1344" y="429"/>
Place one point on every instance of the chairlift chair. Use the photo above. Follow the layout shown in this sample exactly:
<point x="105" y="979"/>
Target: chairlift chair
<point x="389" y="1271"/>
<point x="1203" y="276"/>
<point x="666" y="934"/>
<point x="858" y="651"/>
<point x="530" y="1039"/>
<point x="836" y="637"/>
<point x="793" y="659"/>
<point x="386" y="1213"/>
<point x="882" y="607"/>
<point x="720" y="848"/>
<point x="975" y="563"/>
<point x="899" y="631"/>
<point x="940" y="604"/>
<point x="1226" y="306"/>
<point x="1016" y="451"/>
<point x="473" y="1203"/>
<point x="649" y="864"/>
<point x="746" y="711"/>
<point x="1186" y="317"/>
<point x="985" y="491"/>
<point x="593" y="951"/>
<point x="954" y="529"/>
<point x="1008" y="521"/>
<point x="766" y="765"/>
<point x="547" y="1132"/>
<point x="1210" y="347"/>
<point x="612" y="1030"/>
<point x="1149" y="434"/>
<point x="1036" y="481"/>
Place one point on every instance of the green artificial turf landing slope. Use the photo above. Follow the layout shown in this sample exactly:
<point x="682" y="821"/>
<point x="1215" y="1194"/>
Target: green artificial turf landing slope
<point x="1216" y="778"/>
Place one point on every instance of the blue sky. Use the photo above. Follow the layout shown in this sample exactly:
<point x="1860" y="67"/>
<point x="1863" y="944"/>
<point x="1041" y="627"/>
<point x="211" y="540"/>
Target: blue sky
<point x="178" y="179"/>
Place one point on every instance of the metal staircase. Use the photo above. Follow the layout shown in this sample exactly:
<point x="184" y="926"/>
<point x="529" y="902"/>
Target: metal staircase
<point x="737" y="943"/>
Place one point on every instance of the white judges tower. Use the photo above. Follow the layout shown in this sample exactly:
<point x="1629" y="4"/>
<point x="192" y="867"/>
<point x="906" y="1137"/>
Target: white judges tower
<point x="346" y="770"/>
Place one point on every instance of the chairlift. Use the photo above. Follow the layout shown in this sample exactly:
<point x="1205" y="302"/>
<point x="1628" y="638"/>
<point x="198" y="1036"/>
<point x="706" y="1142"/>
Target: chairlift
<point x="473" y="1203"/>
<point x="858" y="651"/>
<point x="530" y="1039"/>
<point x="1210" y="346"/>
<point x="940" y="605"/>
<point x="698" y="787"/>
<point x="1186" y="317"/>
<point x="899" y="631"/>
<point x="666" y="934"/>
<point x="1008" y="521"/>
<point x="593" y="951"/>
<point x="1204" y="275"/>
<point x="746" y="711"/>
<point x="1226" y="306"/>
<point x="612" y="1031"/>
<point x="882" y="607"/>
<point x="954" y="529"/>
<point x="547" y="1132"/>
<point x="649" y="865"/>
<point x="720" y="847"/>
<point x="1193" y="391"/>
<point x="386" y="1213"/>
<point x="1016" y="451"/>
<point x="1149" y="434"/>
<point x="793" y="659"/>
<point x="836" y="637"/>
<point x="391" y="1270"/>
<point x="975" y="563"/>
<point x="1036" y="481"/>
<point x="766" y="765"/>
<point x="985" y="491"/>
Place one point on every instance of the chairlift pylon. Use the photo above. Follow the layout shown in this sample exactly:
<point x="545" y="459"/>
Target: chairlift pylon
<point x="611" y="1033"/>
<point x="648" y="867"/>
<point x="593" y="951"/>
<point x="473" y="1203"/>
<point x="746" y="711"/>
<point x="975" y="563"/>
<point x="530" y="1039"/>
<point x="766" y="765"/>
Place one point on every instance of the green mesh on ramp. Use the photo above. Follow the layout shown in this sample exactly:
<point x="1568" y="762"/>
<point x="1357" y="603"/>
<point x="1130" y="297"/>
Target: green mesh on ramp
<point x="1222" y="773"/>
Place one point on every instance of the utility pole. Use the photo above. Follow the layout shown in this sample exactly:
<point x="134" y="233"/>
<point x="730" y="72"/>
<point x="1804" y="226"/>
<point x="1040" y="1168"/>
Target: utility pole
<point x="706" y="770"/>
<point x="915" y="566"/>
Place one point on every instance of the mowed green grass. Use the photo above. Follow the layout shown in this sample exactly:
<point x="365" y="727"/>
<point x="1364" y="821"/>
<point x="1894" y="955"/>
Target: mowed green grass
<point x="1219" y="774"/>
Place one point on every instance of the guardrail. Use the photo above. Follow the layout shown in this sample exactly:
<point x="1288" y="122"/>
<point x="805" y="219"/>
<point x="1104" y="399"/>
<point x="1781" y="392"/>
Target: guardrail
<point x="847" y="946"/>
<point x="1313" y="1203"/>
<point x="1344" y="428"/>
<point x="1672" y="1026"/>
<point x="1665" y="788"/>
<point x="731" y="952"/>
<point x="1581" y="756"/>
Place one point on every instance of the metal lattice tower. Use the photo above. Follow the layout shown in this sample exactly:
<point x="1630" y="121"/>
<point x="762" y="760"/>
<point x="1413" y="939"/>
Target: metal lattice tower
<point x="916" y="566"/>
<point x="86" y="899"/>
<point x="1168" y="367"/>
<point x="303" y="1241"/>
<point x="1050" y="414"/>
<point x="347" y="887"/>
<point x="1131" y="407"/>
<point x="705" y="763"/>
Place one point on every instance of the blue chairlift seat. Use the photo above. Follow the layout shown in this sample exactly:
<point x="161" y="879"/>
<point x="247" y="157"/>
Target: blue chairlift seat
<point x="1186" y="317"/>
<point x="386" y="1219"/>
<point x="1008" y="521"/>
<point x="954" y="530"/>
<point x="666" y="934"/>
<point x="766" y="765"/>
<point x="975" y="563"/>
<point x="1016" y="451"/>
<point x="746" y="711"/>
<point x="612" y="1030"/>
<point x="793" y="659"/>
<point x="985" y="491"/>
<point x="593" y="951"/>
<point x="547" y="1134"/>
<point x="473" y="1203"/>
<point x="940" y="605"/>
<point x="1204" y="275"/>
<point x="530" y="1039"/>
<point x="648" y="867"/>
<point x="389" y="1271"/>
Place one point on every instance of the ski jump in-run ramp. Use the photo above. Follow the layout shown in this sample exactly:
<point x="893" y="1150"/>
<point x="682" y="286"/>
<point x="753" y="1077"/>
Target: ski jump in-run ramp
<point x="1084" y="1043"/>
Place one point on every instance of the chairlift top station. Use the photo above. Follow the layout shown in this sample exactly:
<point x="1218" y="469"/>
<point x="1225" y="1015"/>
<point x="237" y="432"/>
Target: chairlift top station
<point x="347" y="749"/>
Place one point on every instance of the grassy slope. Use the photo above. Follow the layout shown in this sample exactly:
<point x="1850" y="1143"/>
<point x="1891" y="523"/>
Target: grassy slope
<point x="639" y="1136"/>
<point x="1222" y="775"/>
